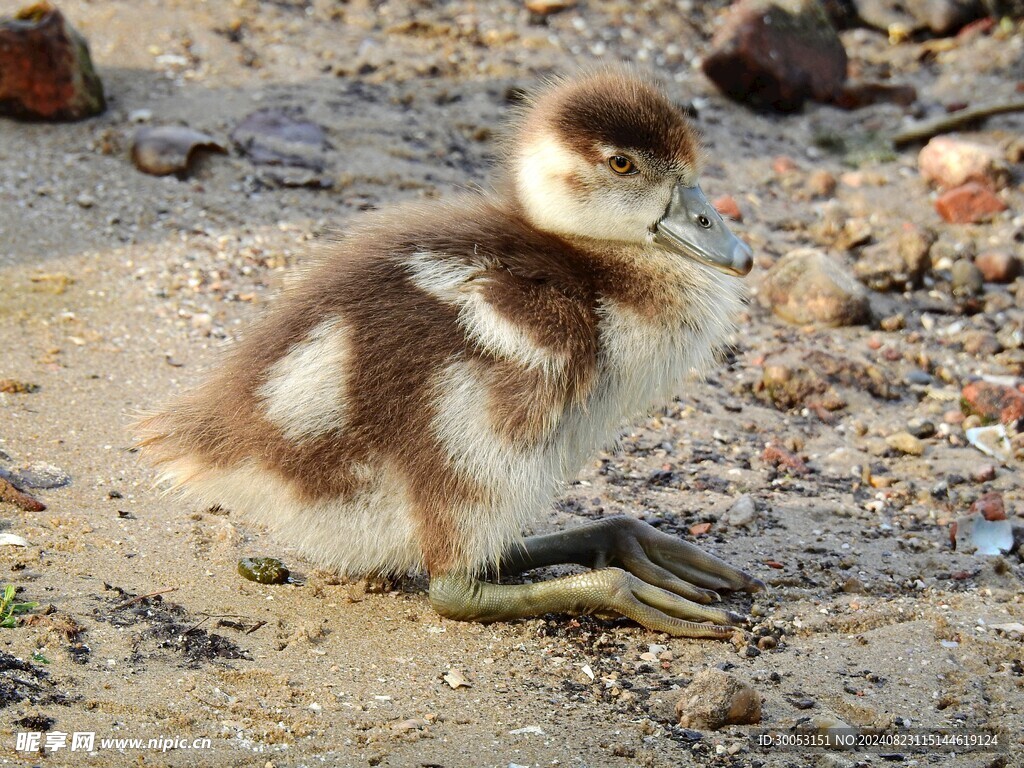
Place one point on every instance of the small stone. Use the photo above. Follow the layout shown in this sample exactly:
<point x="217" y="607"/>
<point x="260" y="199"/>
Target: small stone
<point x="895" y="264"/>
<point x="990" y="506"/>
<point x="39" y="475"/>
<point x="767" y="643"/>
<point x="821" y="183"/>
<point x="46" y="72"/>
<point x="993" y="402"/>
<point x="949" y="162"/>
<point x="986" y="473"/>
<point x="970" y="203"/>
<point x="456" y="679"/>
<point x="905" y="443"/>
<point x="824" y="724"/>
<point x="742" y="513"/>
<point x="547" y="7"/>
<point x="767" y="54"/>
<point x="263" y="570"/>
<point x="85" y="200"/>
<point x="893" y="323"/>
<point x="966" y="279"/>
<point x="998" y="266"/>
<point x="783" y="165"/>
<point x="715" y="699"/>
<point x="168" y="149"/>
<point x="727" y="206"/>
<point x="953" y="417"/>
<point x="18" y="387"/>
<point x="808" y="287"/>
<point x="944" y="17"/>
<point x="921" y="428"/>
<point x="854" y="586"/>
<point x="980" y="343"/>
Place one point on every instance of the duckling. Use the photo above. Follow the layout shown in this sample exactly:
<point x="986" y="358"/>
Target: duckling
<point x="418" y="397"/>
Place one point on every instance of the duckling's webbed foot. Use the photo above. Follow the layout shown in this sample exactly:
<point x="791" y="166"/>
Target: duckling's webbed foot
<point x="655" y="579"/>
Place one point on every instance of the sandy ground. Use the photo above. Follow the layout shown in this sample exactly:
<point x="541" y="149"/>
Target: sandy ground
<point x="118" y="290"/>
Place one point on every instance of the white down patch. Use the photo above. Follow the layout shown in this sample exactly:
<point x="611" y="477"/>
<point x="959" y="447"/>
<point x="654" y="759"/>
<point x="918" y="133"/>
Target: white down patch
<point x="517" y="481"/>
<point x="491" y="332"/>
<point x="305" y="391"/>
<point x="371" y="532"/>
<point x="645" y="361"/>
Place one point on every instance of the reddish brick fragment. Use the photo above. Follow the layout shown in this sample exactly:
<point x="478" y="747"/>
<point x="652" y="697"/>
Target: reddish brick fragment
<point x="970" y="203"/>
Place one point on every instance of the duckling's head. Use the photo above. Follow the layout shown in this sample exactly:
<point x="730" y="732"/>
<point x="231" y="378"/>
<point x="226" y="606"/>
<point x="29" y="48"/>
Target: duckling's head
<point x="608" y="156"/>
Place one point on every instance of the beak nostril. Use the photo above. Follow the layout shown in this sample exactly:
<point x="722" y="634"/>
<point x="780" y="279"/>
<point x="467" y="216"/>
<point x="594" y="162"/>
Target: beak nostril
<point x="704" y="221"/>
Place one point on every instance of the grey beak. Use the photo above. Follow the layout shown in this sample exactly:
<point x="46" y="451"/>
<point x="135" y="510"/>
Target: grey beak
<point x="692" y="227"/>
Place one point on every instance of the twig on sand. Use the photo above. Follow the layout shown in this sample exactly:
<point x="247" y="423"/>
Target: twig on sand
<point x="964" y="117"/>
<point x="140" y="598"/>
<point x="19" y="498"/>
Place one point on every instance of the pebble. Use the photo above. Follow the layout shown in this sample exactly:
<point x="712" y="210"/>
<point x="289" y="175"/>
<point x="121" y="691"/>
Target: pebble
<point x="905" y="443"/>
<point x="715" y="699"/>
<point x="85" y="200"/>
<point x="949" y="162"/>
<point x="994" y="402"/>
<point x="854" y="586"/>
<point x="821" y="183"/>
<point x="37" y="474"/>
<point x="998" y="266"/>
<point x="784" y="165"/>
<point x="986" y="473"/>
<point x="990" y="506"/>
<point x="967" y="279"/>
<point x="767" y="54"/>
<point x="546" y="7"/>
<point x="263" y="570"/>
<point x="808" y="287"/>
<point x="742" y="513"/>
<point x="767" y="643"/>
<point x="970" y="203"/>
<point x="168" y="149"/>
<point x="890" y="265"/>
<point x="921" y="428"/>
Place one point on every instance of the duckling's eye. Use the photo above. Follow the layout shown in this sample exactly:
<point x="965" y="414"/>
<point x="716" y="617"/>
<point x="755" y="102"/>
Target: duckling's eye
<point x="622" y="165"/>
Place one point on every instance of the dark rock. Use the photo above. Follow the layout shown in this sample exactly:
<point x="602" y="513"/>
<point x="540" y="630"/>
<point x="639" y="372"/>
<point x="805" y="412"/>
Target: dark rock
<point x="807" y="287"/>
<point x="777" y="54"/>
<point x="921" y="428"/>
<point x="45" y="69"/>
